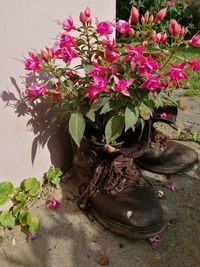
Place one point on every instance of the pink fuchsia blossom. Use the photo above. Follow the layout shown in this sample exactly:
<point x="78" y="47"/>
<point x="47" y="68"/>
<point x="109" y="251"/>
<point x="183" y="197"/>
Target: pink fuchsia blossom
<point x="172" y="186"/>
<point x="66" y="40"/>
<point x="123" y="27"/>
<point x="68" y="24"/>
<point x="56" y="51"/>
<point x="154" y="241"/>
<point x="32" y="63"/>
<point x="32" y="236"/>
<point x="87" y="12"/>
<point x="53" y="203"/>
<point x="195" y="41"/>
<point x="97" y="71"/>
<point x="36" y="90"/>
<point x="67" y="54"/>
<point x="176" y="74"/>
<point x="121" y="86"/>
<point x="100" y="83"/>
<point x="194" y="64"/>
<point x="83" y="18"/>
<point x="56" y="94"/>
<point x="104" y="28"/>
<point x="134" y="55"/>
<point x="92" y="93"/>
<point x="152" y="83"/>
<point x="163" y="115"/>
<point x="174" y="28"/>
<point x="160" y="15"/>
<point x="134" y="15"/>
<point x="147" y="65"/>
<point x="111" y="53"/>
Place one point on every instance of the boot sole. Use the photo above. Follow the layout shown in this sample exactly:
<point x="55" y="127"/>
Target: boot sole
<point x="165" y="170"/>
<point x="129" y="231"/>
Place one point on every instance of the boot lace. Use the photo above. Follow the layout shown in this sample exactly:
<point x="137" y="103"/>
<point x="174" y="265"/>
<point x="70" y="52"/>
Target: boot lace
<point x="159" y="139"/>
<point x="112" y="177"/>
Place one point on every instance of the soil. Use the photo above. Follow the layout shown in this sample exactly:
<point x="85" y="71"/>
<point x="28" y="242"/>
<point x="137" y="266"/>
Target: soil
<point x="68" y="238"/>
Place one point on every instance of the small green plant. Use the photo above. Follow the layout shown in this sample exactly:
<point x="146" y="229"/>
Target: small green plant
<point x="20" y="197"/>
<point x="52" y="176"/>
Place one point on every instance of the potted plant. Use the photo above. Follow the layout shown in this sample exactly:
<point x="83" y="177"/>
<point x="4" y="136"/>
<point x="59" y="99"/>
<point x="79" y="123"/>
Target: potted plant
<point x="107" y="89"/>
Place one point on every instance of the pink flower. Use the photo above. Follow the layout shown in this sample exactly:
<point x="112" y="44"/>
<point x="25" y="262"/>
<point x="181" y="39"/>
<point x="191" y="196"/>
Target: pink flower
<point x="195" y="64"/>
<point x="176" y="74"/>
<point x="56" y="51"/>
<point x="87" y="12"/>
<point x="121" y="86"/>
<point x="111" y="53"/>
<point x="154" y="241"/>
<point x="36" y="90"/>
<point x="104" y="28"/>
<point x="66" y="40"/>
<point x="151" y="83"/>
<point x="68" y="25"/>
<point x="172" y="186"/>
<point x="147" y="65"/>
<point x="163" y="115"/>
<point x="67" y="54"/>
<point x="92" y="93"/>
<point x="195" y="41"/>
<point x="32" y="63"/>
<point x="100" y="83"/>
<point x="83" y="18"/>
<point x="53" y="203"/>
<point x="134" y="15"/>
<point x="32" y="236"/>
<point x="134" y="54"/>
<point x="123" y="27"/>
<point x="46" y="55"/>
<point x="97" y="71"/>
<point x="160" y="15"/>
<point x="174" y="28"/>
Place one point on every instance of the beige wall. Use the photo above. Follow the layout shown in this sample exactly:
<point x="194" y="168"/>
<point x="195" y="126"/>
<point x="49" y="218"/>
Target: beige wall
<point x="26" y="24"/>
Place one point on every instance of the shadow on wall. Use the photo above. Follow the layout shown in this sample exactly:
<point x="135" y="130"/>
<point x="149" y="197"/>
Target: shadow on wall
<point x="55" y="136"/>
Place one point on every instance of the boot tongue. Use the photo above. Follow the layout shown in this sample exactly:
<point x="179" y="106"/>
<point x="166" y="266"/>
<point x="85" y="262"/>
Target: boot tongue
<point x="158" y="139"/>
<point x="113" y="177"/>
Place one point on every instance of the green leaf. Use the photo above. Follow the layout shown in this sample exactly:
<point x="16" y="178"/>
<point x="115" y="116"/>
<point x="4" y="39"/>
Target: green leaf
<point x="7" y="219"/>
<point x="98" y="103"/>
<point x="91" y="115"/>
<point x="20" y="196"/>
<point x="53" y="175"/>
<point x="6" y="188"/>
<point x="142" y="126"/>
<point x="4" y="198"/>
<point x="77" y="127"/>
<point x="131" y="117"/>
<point x="147" y="108"/>
<point x="23" y="217"/>
<point x="107" y="107"/>
<point x="87" y="67"/>
<point x="17" y="208"/>
<point x="32" y="186"/>
<point x="33" y="225"/>
<point x="114" y="128"/>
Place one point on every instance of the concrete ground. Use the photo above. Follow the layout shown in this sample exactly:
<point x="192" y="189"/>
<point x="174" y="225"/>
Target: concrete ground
<point x="67" y="238"/>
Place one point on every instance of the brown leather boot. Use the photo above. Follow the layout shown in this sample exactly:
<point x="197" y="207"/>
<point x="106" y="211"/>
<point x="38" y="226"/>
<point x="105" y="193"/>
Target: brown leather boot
<point x="118" y="195"/>
<point x="163" y="155"/>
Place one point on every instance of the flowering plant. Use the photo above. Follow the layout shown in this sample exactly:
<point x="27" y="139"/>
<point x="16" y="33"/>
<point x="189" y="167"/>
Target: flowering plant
<point x="109" y="85"/>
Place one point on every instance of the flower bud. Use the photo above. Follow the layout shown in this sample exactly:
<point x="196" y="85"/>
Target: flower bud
<point x="87" y="12"/>
<point x="83" y="18"/>
<point x="150" y="19"/>
<point x="44" y="56"/>
<point x="142" y="20"/>
<point x="160" y="15"/>
<point x="132" y="33"/>
<point x="174" y="28"/>
<point x="152" y="35"/>
<point x="195" y="41"/>
<point x="134" y="15"/>
<point x="146" y="16"/>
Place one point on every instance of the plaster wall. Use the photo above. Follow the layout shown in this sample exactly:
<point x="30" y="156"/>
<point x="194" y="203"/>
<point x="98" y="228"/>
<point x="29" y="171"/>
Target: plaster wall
<point x="28" y="142"/>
